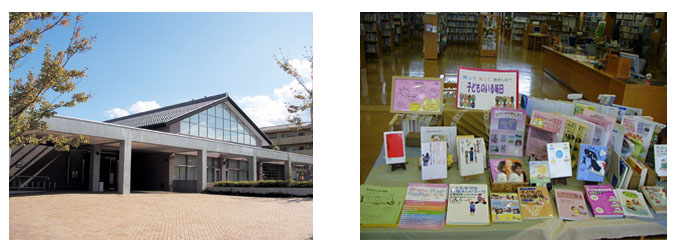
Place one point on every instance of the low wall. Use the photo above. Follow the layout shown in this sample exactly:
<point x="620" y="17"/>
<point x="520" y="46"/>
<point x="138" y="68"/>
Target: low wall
<point x="263" y="190"/>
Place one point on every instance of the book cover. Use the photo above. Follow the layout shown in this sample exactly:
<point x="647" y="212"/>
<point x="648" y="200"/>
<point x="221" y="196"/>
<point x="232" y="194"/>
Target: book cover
<point x="614" y="173"/>
<point x="381" y="205"/>
<point x="468" y="205"/>
<point x="602" y="128"/>
<point x="536" y="142"/>
<point x="433" y="160"/>
<point x="616" y="138"/>
<point x="395" y="147"/>
<point x="447" y="134"/>
<point x="592" y="162"/>
<point x="424" y="206"/>
<point x="507" y="132"/>
<point x="633" y="203"/>
<point x="656" y="195"/>
<point x="639" y="175"/>
<point x="559" y="160"/>
<point x="505" y="207"/>
<point x="592" y="130"/>
<point x="603" y="201"/>
<point x="539" y="173"/>
<point x="571" y="205"/>
<point x="640" y="129"/>
<point x="548" y="122"/>
<point x="575" y="132"/>
<point x="471" y="152"/>
<point x="506" y="170"/>
<point x="660" y="159"/>
<point x="535" y="202"/>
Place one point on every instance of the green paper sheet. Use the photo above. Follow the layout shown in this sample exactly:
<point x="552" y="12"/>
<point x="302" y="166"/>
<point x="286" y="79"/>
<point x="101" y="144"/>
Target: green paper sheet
<point x="381" y="205"/>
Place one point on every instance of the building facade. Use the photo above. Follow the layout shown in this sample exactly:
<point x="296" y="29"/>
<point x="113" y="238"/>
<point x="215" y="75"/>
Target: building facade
<point x="291" y="137"/>
<point x="181" y="147"/>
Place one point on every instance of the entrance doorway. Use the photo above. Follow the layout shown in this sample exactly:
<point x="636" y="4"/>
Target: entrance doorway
<point x="109" y="172"/>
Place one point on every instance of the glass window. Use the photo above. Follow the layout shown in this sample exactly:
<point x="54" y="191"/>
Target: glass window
<point x="177" y="172"/>
<point x="220" y="134"/>
<point x="191" y="173"/>
<point x="194" y="129"/>
<point x="212" y="111"/>
<point x="234" y="127"/>
<point x="194" y="119"/>
<point x="253" y="141"/>
<point x="192" y="160"/>
<point x="183" y="127"/>
<point x="210" y="174"/>
<point x="220" y="123"/>
<point x="212" y="122"/>
<point x="203" y="118"/>
<point x="211" y="132"/>
<point x="220" y="111"/>
<point x="203" y="131"/>
<point x="241" y="138"/>
<point x="227" y="113"/>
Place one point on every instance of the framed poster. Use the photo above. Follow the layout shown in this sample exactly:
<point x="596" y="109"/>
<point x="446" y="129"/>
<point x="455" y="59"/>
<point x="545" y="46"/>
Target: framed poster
<point x="484" y="89"/>
<point x="416" y="95"/>
<point x="395" y="147"/>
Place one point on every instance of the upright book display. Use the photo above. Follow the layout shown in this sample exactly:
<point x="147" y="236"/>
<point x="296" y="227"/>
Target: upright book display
<point x="471" y="152"/>
<point x="468" y="205"/>
<point x="507" y="132"/>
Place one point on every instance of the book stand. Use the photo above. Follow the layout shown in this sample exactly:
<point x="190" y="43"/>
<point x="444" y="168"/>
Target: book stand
<point x="662" y="178"/>
<point x="398" y="166"/>
<point x="467" y="178"/>
<point x="559" y="181"/>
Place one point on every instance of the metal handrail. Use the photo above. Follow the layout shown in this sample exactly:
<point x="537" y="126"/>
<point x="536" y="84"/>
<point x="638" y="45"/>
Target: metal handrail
<point x="37" y="183"/>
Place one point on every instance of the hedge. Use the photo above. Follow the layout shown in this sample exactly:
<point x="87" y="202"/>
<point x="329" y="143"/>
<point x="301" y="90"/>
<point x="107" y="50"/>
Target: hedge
<point x="266" y="183"/>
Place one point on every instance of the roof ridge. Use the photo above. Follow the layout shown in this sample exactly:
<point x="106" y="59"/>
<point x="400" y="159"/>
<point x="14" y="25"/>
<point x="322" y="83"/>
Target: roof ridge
<point x="191" y="102"/>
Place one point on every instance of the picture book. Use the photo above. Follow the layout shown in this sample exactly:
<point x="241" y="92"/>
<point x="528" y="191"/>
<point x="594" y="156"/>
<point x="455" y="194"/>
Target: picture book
<point x="575" y="132"/>
<point x="656" y="195"/>
<point x="433" y="160"/>
<point x="660" y="159"/>
<point x="505" y="207"/>
<point x="539" y="173"/>
<point x="605" y="117"/>
<point x="468" y="205"/>
<point x="446" y="134"/>
<point x="579" y="108"/>
<point x="506" y="170"/>
<point x="571" y="205"/>
<point x="547" y="121"/>
<point x="535" y="202"/>
<point x="507" y="132"/>
<point x="395" y="147"/>
<point x="602" y="128"/>
<point x="626" y="173"/>
<point x="381" y="205"/>
<point x="536" y="142"/>
<point x="559" y="160"/>
<point x="592" y="161"/>
<point x="424" y="206"/>
<point x="616" y="138"/>
<point x="633" y="203"/>
<point x="640" y="129"/>
<point x="471" y="152"/>
<point x="603" y="201"/>
<point x="639" y="175"/>
<point x="592" y="131"/>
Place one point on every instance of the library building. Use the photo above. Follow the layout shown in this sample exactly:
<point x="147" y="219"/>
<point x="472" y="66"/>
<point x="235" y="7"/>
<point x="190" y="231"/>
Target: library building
<point x="513" y="125"/>
<point x="180" y="148"/>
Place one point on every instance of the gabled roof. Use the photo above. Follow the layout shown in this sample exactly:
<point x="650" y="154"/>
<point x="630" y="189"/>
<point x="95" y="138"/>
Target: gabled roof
<point x="162" y="117"/>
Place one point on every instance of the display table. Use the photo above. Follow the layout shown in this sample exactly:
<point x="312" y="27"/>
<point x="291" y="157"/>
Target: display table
<point x="590" y="82"/>
<point x="535" y="41"/>
<point x="553" y="228"/>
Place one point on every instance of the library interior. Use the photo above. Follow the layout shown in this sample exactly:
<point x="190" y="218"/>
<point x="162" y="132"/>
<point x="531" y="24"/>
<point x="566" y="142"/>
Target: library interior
<point x="522" y="88"/>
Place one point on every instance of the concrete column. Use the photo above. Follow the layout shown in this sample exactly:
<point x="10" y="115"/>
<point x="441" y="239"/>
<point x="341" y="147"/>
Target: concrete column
<point x="94" y="168"/>
<point x="170" y="180"/>
<point x="253" y="167"/>
<point x="202" y="171"/>
<point x="124" y="166"/>
<point x="288" y="168"/>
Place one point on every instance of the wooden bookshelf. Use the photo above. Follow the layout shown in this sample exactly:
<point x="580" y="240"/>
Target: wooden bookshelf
<point x="370" y="27"/>
<point x="518" y="26"/>
<point x="397" y="23"/>
<point x="591" y="23"/>
<point x="406" y="27"/>
<point x="417" y="26"/>
<point x="386" y="31"/>
<point x="633" y="24"/>
<point x="461" y="27"/>
<point x="488" y="26"/>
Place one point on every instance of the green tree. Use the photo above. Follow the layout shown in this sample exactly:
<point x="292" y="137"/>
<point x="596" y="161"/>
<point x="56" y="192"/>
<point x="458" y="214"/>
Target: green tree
<point x="28" y="104"/>
<point x="305" y="95"/>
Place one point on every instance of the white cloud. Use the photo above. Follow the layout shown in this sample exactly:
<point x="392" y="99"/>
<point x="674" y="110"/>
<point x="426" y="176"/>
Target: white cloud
<point x="266" y="110"/>
<point x="116" y="112"/>
<point x="139" y="106"/>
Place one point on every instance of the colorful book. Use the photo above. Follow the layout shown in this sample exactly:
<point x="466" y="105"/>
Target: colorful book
<point x="603" y="201"/>
<point x="633" y="203"/>
<point x="535" y="202"/>
<point x="507" y="132"/>
<point x="468" y="205"/>
<point x="381" y="206"/>
<point x="433" y="160"/>
<point x="602" y="128"/>
<point x="548" y="122"/>
<point x="640" y="129"/>
<point x="471" y="152"/>
<point x="445" y="133"/>
<point x="592" y="161"/>
<point x="574" y="134"/>
<point x="507" y="170"/>
<point x="660" y="159"/>
<point x="505" y="207"/>
<point x="571" y="205"/>
<point x="539" y="173"/>
<point x="424" y="206"/>
<point x="395" y="147"/>
<point x="536" y="142"/>
<point x="614" y="173"/>
<point x="559" y="160"/>
<point x="616" y="138"/>
<point x="656" y="195"/>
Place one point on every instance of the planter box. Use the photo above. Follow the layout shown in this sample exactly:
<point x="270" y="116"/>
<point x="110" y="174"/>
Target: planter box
<point x="264" y="190"/>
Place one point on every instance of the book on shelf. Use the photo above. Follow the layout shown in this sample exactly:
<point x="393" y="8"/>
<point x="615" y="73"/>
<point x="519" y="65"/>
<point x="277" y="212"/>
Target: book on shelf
<point x="535" y="202"/>
<point x="592" y="162"/>
<point x="539" y="173"/>
<point x="468" y="205"/>
<point x="559" y="160"/>
<point x="506" y="170"/>
<point x="447" y="134"/>
<point x="505" y="208"/>
<point x="571" y="205"/>
<point x="656" y="196"/>
<point x="633" y="204"/>
<point x="471" y="153"/>
<point x="603" y="201"/>
<point x="507" y="131"/>
<point x="424" y="206"/>
<point x="660" y="159"/>
<point x="380" y="206"/>
<point x="433" y="160"/>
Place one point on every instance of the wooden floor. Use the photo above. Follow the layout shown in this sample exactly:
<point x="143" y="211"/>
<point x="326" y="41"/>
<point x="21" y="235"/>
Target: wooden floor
<point x="375" y="83"/>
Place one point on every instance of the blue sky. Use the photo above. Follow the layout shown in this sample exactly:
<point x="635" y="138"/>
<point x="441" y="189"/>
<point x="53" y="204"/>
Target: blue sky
<point x="144" y="60"/>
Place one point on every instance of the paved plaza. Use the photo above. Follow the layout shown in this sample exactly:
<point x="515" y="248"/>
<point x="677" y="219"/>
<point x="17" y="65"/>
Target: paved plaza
<point x="158" y="215"/>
